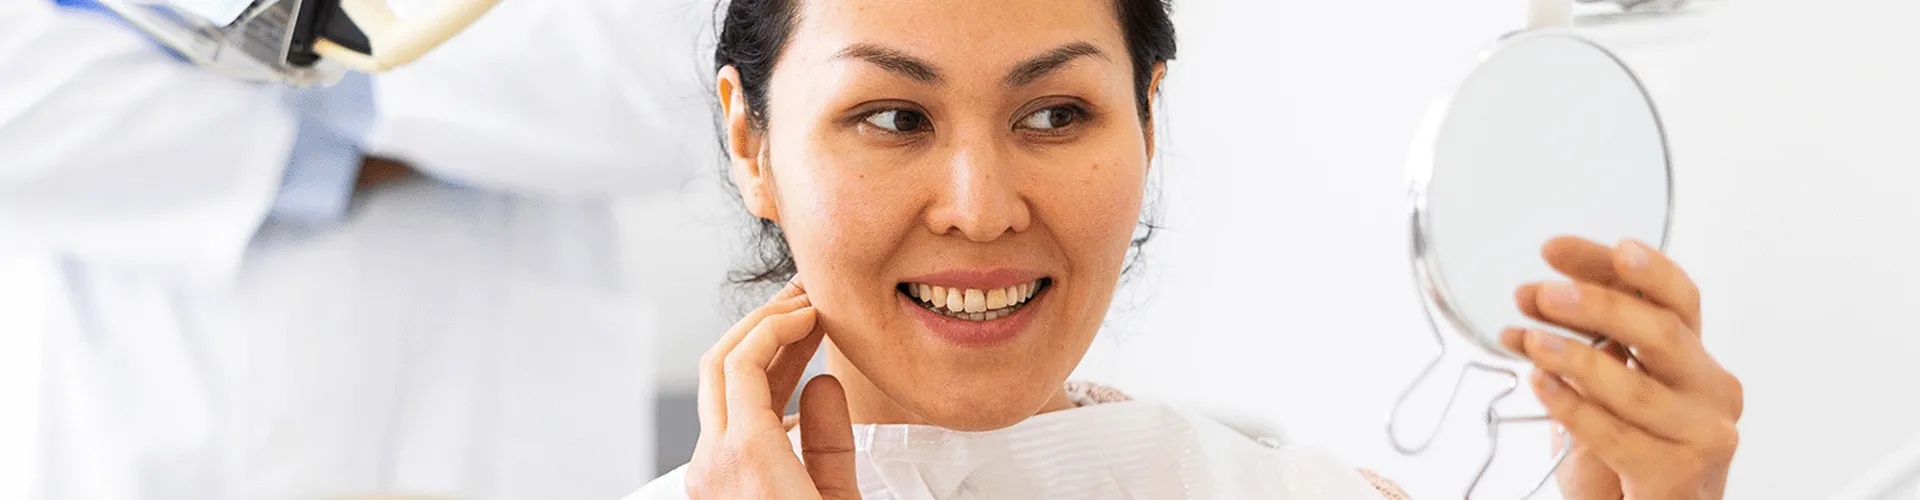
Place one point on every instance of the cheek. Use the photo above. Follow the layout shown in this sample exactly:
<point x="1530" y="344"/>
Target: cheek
<point x="1094" y="208"/>
<point x="841" y="225"/>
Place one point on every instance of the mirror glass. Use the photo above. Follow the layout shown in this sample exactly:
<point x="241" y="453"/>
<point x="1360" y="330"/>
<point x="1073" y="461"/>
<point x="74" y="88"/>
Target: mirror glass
<point x="1550" y="135"/>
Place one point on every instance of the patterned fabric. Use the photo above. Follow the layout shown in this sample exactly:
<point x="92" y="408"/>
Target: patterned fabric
<point x="1386" y="487"/>
<point x="1084" y="393"/>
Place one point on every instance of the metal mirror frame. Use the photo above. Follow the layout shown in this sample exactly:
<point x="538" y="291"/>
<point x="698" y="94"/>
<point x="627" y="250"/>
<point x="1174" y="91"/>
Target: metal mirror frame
<point x="1435" y="298"/>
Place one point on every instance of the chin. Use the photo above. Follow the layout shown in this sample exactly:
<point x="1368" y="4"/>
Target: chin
<point x="976" y="403"/>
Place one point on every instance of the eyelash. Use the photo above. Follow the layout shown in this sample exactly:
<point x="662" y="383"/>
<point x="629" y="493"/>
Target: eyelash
<point x="1079" y="116"/>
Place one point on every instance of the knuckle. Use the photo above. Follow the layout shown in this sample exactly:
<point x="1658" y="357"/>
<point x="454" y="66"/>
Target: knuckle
<point x="1641" y="392"/>
<point x="1726" y="438"/>
<point x="765" y="326"/>
<point x="1573" y="413"/>
<point x="1580" y="361"/>
<point x="732" y="364"/>
<point x="1618" y="430"/>
<point x="1673" y="333"/>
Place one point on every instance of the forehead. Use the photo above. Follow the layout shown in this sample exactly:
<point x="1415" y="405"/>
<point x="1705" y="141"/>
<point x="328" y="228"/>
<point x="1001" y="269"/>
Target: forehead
<point x="960" y="35"/>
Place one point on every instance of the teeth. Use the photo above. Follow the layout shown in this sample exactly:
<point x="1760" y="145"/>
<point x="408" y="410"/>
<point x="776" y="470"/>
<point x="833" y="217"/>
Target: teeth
<point x="973" y="304"/>
<point x="976" y="301"/>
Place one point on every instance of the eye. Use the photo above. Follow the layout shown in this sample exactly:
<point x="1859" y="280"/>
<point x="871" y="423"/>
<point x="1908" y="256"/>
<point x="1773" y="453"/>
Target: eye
<point x="1050" y="119"/>
<point x="899" y="121"/>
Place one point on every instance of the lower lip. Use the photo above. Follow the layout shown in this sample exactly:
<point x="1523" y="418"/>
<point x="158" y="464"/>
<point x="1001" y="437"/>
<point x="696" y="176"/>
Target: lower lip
<point x="973" y="333"/>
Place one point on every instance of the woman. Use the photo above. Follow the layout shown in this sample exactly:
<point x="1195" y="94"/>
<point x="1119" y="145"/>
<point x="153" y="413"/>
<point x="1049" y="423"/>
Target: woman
<point x="954" y="186"/>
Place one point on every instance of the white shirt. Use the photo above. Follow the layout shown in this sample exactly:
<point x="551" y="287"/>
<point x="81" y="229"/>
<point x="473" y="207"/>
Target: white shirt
<point x="1131" y="449"/>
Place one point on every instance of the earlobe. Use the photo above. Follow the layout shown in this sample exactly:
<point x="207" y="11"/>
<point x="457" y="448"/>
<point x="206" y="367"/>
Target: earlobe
<point x="747" y="164"/>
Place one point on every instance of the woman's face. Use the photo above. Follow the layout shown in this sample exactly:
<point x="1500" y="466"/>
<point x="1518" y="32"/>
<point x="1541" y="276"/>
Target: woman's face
<point x="958" y="182"/>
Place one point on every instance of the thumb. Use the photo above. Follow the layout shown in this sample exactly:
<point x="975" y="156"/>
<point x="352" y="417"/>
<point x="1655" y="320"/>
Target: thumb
<point x="826" y="438"/>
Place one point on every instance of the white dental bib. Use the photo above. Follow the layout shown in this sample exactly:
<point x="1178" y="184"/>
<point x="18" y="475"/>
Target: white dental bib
<point x="1131" y="449"/>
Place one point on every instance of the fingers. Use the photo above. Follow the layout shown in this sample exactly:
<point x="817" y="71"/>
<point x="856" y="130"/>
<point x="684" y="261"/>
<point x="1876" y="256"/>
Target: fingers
<point x="1661" y="341"/>
<point x="1581" y="259"/>
<point x="1596" y="375"/>
<point x="1659" y="279"/>
<point x="791" y="362"/>
<point x="1630" y="266"/>
<point x="1616" y="442"/>
<point x="789" y="365"/>
<point x="826" y="438"/>
<point x="713" y="389"/>
<point x="748" y="392"/>
<point x="791" y="290"/>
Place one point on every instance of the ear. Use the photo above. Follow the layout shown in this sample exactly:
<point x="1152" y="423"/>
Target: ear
<point x="1153" y="99"/>
<point x="747" y="163"/>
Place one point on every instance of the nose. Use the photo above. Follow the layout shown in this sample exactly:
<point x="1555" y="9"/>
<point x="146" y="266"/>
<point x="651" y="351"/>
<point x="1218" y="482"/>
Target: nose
<point x="981" y="201"/>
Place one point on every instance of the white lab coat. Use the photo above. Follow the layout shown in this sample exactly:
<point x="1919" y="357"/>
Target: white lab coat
<point x="445" y="340"/>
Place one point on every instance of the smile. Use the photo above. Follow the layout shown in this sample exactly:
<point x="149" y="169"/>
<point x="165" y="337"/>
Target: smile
<point x="974" y="304"/>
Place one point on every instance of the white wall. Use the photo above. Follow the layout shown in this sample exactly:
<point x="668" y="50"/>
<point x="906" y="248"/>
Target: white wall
<point x="1282" y="287"/>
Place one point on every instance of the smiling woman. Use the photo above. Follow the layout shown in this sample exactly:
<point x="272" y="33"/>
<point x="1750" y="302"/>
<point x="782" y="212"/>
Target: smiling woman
<point x="950" y="190"/>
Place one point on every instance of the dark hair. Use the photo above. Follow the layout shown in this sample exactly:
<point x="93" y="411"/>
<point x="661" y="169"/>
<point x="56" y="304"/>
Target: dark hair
<point x="754" y="32"/>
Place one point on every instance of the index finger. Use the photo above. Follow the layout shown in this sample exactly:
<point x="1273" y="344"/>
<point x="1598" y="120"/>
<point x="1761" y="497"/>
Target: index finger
<point x="748" y="399"/>
<point x="1659" y="279"/>
<point x="713" y="387"/>
<point x="790" y="290"/>
<point x="1631" y="267"/>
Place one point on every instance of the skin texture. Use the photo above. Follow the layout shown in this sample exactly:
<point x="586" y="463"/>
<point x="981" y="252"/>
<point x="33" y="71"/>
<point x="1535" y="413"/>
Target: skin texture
<point x="1663" y="427"/>
<point x="864" y="208"/>
<point x="982" y="187"/>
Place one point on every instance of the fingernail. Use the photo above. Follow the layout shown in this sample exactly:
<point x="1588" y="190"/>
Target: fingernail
<point x="1550" y="384"/>
<point x="1561" y="294"/>
<point x="1635" y="252"/>
<point x="1553" y="343"/>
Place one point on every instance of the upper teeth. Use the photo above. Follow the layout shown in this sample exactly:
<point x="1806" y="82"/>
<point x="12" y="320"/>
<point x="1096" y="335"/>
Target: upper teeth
<point x="973" y="300"/>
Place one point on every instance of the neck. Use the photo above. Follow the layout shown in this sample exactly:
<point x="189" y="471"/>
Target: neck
<point x="866" y="404"/>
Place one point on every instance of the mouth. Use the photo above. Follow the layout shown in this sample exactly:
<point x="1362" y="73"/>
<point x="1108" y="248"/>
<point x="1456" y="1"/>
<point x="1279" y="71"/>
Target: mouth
<point x="973" y="304"/>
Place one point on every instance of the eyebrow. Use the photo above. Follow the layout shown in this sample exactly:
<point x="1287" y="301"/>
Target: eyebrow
<point x="1039" y="67"/>
<point x="917" y="69"/>
<point x="893" y="61"/>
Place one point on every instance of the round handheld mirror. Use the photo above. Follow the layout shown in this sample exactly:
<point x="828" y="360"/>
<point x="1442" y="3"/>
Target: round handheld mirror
<point x="1549" y="136"/>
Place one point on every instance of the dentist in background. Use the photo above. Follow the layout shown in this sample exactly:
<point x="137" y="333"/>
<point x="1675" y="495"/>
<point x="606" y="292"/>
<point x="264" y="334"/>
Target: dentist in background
<point x="405" y="284"/>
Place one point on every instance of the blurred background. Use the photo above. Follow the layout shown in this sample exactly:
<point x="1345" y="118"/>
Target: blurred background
<point x="1281" y="286"/>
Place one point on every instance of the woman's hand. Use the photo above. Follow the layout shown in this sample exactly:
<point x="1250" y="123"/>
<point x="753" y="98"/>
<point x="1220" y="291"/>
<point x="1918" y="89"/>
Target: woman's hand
<point x="743" y="451"/>
<point x="1661" y="428"/>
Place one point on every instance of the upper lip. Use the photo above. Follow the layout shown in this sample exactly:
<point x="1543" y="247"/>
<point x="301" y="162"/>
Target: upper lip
<point x="978" y="279"/>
